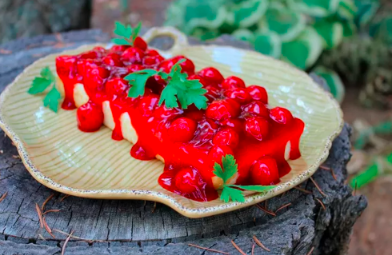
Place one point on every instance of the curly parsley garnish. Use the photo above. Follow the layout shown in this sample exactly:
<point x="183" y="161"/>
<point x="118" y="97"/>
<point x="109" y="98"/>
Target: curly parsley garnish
<point x="231" y="191"/>
<point x="126" y="33"/>
<point x="178" y="91"/>
<point x="41" y="83"/>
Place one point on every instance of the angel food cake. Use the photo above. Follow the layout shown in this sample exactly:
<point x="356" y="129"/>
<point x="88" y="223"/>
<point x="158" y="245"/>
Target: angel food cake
<point x="188" y="119"/>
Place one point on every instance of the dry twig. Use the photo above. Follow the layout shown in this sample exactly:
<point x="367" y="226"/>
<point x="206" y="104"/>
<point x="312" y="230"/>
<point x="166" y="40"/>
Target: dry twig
<point x="260" y="243"/>
<point x="253" y="249"/>
<point x="64" y="197"/>
<point x="49" y="211"/>
<point x="65" y="243"/>
<point x="3" y="196"/>
<point x="265" y="210"/>
<point x="303" y="190"/>
<point x="317" y="186"/>
<point x="321" y="203"/>
<point x="46" y="201"/>
<point x="41" y="222"/>
<point x="207" y="249"/>
<point x="311" y="251"/>
<point x="238" y="248"/>
<point x="282" y="207"/>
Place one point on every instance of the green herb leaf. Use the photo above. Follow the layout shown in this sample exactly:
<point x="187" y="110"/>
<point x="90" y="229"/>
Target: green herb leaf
<point x="51" y="100"/>
<point x="127" y="33"/>
<point x="257" y="188"/>
<point x="39" y="84"/>
<point x="234" y="194"/>
<point x="186" y="91"/>
<point x="230" y="168"/>
<point x="230" y="191"/>
<point x="138" y="80"/>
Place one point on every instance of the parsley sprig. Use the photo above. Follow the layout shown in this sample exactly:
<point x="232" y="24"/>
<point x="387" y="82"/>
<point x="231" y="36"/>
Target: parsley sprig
<point x="231" y="191"/>
<point x="178" y="91"/>
<point x="126" y="33"/>
<point x="41" y="83"/>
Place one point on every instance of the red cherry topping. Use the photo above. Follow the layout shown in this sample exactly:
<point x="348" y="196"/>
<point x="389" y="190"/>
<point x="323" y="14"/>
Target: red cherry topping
<point x="218" y="151"/>
<point x="112" y="59"/>
<point x="198" y="77"/>
<point x="182" y="130"/>
<point x="148" y="103"/>
<point x="118" y="48"/>
<point x="257" y="127"/>
<point x="256" y="108"/>
<point x="281" y="115"/>
<point x="94" y="77"/>
<point x="187" y="66"/>
<point x="140" y="43"/>
<point x="89" y="55"/>
<point x="90" y="117"/>
<point x="211" y="74"/>
<point x="233" y="82"/>
<point x="226" y="137"/>
<point x="162" y="112"/>
<point x="116" y="87"/>
<point x="151" y="52"/>
<point x="152" y="60"/>
<point x="238" y="94"/>
<point x="133" y="55"/>
<point x="187" y="180"/>
<point x="212" y="93"/>
<point x="223" y="109"/>
<point x="265" y="171"/>
<point x="156" y="83"/>
<point x="237" y="124"/>
<point x="258" y="93"/>
<point x="135" y="67"/>
<point x="65" y="64"/>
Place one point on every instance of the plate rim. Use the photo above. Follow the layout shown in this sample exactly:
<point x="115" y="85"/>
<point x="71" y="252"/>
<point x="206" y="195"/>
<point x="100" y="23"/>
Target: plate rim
<point x="157" y="196"/>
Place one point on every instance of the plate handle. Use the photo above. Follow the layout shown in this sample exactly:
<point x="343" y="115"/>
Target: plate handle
<point x="180" y="39"/>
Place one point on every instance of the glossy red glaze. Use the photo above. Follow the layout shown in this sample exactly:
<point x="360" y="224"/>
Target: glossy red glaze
<point x="264" y="172"/>
<point x="237" y="120"/>
<point x="140" y="43"/>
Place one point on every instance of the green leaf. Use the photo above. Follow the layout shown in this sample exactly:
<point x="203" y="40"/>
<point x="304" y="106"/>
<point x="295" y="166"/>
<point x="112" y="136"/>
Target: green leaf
<point x="286" y="23"/>
<point x="47" y="74"/>
<point x="120" y="41"/>
<point x="136" y="31"/>
<point x="248" y="13"/>
<point x="331" y="32"/>
<point x="39" y="85"/>
<point x="366" y="9"/>
<point x="315" y="8"/>
<point x="169" y="97"/>
<point x="138" y="80"/>
<point x="229" y="168"/>
<point x="51" y="100"/>
<point x="244" y="35"/>
<point x="257" y="188"/>
<point x="347" y="10"/>
<point x="232" y="194"/>
<point x="122" y="30"/>
<point x="268" y="44"/>
<point x="334" y="82"/>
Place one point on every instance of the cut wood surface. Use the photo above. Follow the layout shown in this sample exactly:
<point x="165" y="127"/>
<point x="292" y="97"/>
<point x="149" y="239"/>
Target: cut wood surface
<point x="139" y="227"/>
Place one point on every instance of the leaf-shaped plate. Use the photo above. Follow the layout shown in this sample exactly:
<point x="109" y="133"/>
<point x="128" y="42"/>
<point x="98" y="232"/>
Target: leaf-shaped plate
<point x="92" y="165"/>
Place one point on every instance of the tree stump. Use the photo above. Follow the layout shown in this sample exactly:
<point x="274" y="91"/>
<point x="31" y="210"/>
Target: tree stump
<point x="295" y="222"/>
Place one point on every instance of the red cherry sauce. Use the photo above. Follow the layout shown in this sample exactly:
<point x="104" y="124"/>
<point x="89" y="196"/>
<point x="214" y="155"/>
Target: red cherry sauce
<point x="250" y="130"/>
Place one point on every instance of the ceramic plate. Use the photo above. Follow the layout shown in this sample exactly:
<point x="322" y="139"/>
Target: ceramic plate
<point x="92" y="165"/>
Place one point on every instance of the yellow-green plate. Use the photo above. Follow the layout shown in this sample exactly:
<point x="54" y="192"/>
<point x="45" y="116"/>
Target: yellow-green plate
<point x="92" y="165"/>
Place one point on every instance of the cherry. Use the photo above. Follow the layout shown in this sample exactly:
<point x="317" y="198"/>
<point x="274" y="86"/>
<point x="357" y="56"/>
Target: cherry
<point x="151" y="52"/>
<point x="182" y="129"/>
<point x="281" y="115"/>
<point x="156" y="83"/>
<point x="94" y="77"/>
<point x="116" y="87"/>
<point x="218" y="151"/>
<point x="187" y="66"/>
<point x="237" y="124"/>
<point x="212" y="93"/>
<point x="65" y="64"/>
<point x="205" y="132"/>
<point x="198" y="77"/>
<point x="112" y="59"/>
<point x="257" y="127"/>
<point x="100" y="50"/>
<point x="238" y="94"/>
<point x="211" y="74"/>
<point x="89" y="55"/>
<point x="187" y="180"/>
<point x="226" y="137"/>
<point x="265" y="171"/>
<point x="152" y="60"/>
<point x="135" y="67"/>
<point x="140" y="43"/>
<point x="258" y="93"/>
<point x="89" y="117"/>
<point x="233" y="82"/>
<point x="148" y="103"/>
<point x="223" y="109"/>
<point x="133" y="55"/>
<point x="162" y="112"/>
<point x="118" y="48"/>
<point x="256" y="108"/>
<point x="195" y="114"/>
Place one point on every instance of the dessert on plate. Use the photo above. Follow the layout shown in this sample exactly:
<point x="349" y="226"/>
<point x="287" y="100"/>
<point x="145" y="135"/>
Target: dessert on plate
<point x="210" y="131"/>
